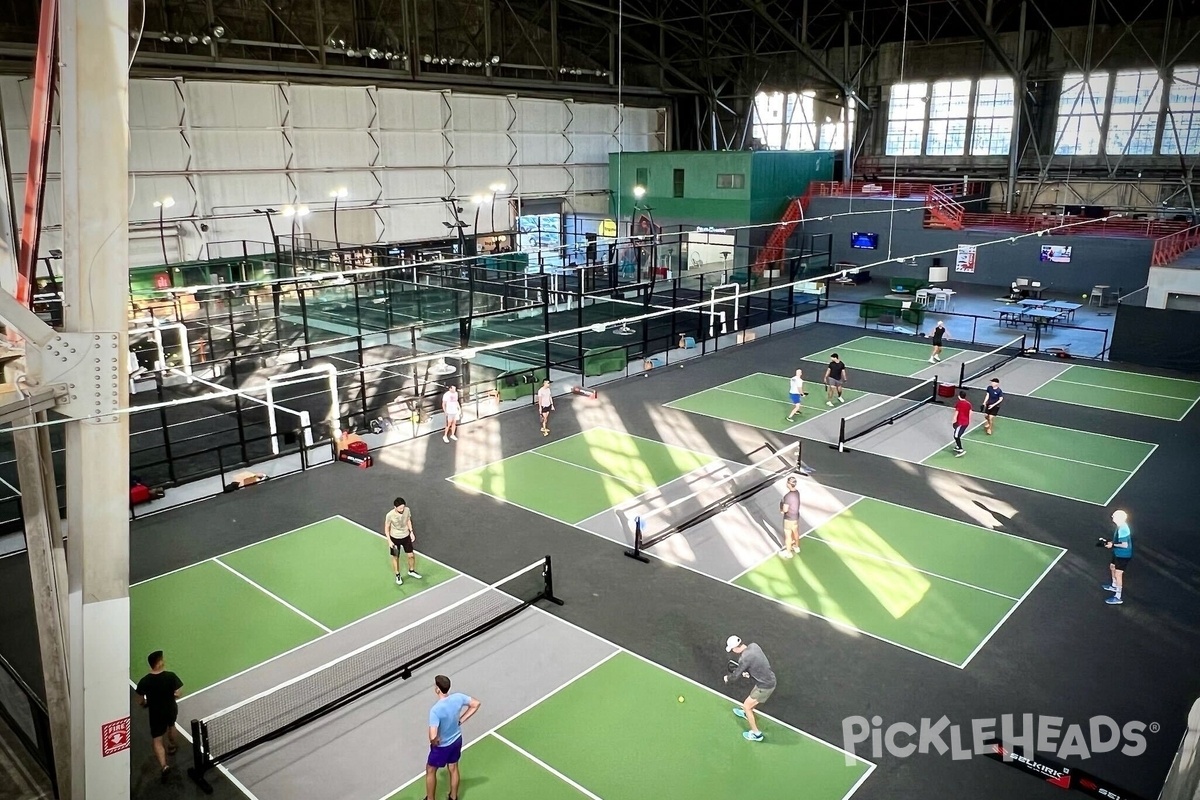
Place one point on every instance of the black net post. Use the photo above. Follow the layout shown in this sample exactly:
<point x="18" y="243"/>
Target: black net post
<point x="200" y="762"/>
<point x="636" y="552"/>
<point x="548" y="576"/>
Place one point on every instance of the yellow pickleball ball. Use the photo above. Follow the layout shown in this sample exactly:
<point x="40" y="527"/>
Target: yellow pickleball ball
<point x="681" y="698"/>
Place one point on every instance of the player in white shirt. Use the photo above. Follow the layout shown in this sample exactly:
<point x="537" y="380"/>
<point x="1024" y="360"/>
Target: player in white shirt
<point x="453" y="410"/>
<point x="796" y="393"/>
<point x="545" y="404"/>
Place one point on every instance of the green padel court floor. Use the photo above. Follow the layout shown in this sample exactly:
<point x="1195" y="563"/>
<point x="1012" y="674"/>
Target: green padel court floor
<point x="760" y="400"/>
<point x="620" y="732"/>
<point x="934" y="586"/>
<point x="1085" y="466"/>
<point x="1130" y="392"/>
<point x="220" y="617"/>
<point x="889" y="356"/>
<point x="925" y="583"/>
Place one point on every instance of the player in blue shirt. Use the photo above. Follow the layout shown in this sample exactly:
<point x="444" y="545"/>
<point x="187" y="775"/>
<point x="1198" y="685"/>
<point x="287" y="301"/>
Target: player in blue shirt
<point x="1122" y="551"/>
<point x="991" y="405"/>
<point x="445" y="734"/>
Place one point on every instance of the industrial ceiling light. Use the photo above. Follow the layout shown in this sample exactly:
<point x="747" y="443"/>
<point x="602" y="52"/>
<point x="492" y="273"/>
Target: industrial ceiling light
<point x="427" y="58"/>
<point x="218" y="31"/>
<point x="193" y="38"/>
<point x="373" y="54"/>
<point x="388" y="56"/>
<point x="445" y="61"/>
<point x="166" y="37"/>
<point x="206" y="39"/>
<point x="453" y="61"/>
<point x="177" y="38"/>
<point x="352" y="53"/>
<point x="495" y="59"/>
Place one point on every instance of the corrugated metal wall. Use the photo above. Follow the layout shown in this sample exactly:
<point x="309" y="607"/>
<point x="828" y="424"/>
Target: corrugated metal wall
<point x="222" y="149"/>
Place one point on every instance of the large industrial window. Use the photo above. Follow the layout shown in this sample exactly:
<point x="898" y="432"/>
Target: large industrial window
<point x="832" y="131"/>
<point x="1080" y="111"/>
<point x="677" y="183"/>
<point x="906" y="119"/>
<point x="1133" y="119"/>
<point x="784" y="121"/>
<point x="642" y="177"/>
<point x="1181" y="131"/>
<point x="991" y="131"/>
<point x="949" y="107"/>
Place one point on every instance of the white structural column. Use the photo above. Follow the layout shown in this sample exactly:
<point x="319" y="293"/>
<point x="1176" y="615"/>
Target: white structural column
<point x="94" y="45"/>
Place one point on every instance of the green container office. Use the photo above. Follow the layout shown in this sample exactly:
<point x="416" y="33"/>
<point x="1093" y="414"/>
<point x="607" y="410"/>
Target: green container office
<point x="741" y="187"/>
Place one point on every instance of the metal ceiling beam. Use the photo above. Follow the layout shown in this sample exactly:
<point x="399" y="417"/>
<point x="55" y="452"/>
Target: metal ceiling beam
<point x="805" y="51"/>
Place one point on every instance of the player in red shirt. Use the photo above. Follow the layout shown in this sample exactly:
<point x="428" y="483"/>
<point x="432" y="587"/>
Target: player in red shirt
<point x="962" y="418"/>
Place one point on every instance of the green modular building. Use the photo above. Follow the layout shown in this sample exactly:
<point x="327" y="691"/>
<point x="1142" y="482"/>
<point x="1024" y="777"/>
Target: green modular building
<point x="724" y="188"/>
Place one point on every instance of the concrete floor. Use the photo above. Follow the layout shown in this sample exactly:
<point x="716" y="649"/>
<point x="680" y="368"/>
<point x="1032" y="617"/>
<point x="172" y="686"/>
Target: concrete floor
<point x="971" y="317"/>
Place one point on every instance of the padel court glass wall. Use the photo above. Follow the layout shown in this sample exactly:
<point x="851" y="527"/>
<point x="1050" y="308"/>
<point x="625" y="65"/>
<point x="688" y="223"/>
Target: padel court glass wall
<point x="362" y="314"/>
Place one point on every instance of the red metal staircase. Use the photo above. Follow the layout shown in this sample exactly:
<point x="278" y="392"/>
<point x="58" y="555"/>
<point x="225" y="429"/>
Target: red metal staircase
<point x="772" y="252"/>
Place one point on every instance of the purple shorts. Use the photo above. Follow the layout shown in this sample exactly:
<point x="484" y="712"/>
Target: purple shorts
<point x="444" y="755"/>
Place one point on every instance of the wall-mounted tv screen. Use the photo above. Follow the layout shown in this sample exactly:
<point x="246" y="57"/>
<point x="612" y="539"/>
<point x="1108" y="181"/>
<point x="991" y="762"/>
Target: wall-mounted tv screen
<point x="864" y="241"/>
<point x="1059" y="254"/>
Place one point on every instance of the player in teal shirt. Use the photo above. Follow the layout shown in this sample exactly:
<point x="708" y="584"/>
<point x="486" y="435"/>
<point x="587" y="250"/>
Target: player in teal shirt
<point x="1122" y="551"/>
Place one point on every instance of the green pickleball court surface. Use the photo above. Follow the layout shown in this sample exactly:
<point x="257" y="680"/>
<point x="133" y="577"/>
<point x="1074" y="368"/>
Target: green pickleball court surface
<point x="1078" y="464"/>
<point x="210" y="624"/>
<point x="334" y="571"/>
<point x="491" y="770"/>
<point x="934" y="585"/>
<point x="582" y="475"/>
<point x="760" y="400"/>
<point x="889" y="356"/>
<point x="621" y="733"/>
<point x="1130" y="392"/>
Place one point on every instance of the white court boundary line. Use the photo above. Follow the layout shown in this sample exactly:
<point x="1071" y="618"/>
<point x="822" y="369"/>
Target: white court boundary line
<point x="1061" y="552"/>
<point x="362" y="648"/>
<point x="502" y="459"/>
<point x="990" y="443"/>
<point x="845" y="626"/>
<point x="618" y="650"/>
<point x="274" y="596"/>
<point x="629" y="481"/>
<point x="874" y="557"/>
<point x="665" y="560"/>
<point x="522" y="751"/>
<point x="358" y="526"/>
<point x="187" y="737"/>
<point x="1190" y="405"/>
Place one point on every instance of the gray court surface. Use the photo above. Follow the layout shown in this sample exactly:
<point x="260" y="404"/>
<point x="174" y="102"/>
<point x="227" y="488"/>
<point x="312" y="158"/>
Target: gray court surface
<point x="733" y="541"/>
<point x="914" y="437"/>
<point x="372" y="746"/>
<point x="1019" y="376"/>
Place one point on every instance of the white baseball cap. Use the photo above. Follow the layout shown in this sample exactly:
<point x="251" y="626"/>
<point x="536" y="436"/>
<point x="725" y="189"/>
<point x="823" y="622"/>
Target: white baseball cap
<point x="731" y="643"/>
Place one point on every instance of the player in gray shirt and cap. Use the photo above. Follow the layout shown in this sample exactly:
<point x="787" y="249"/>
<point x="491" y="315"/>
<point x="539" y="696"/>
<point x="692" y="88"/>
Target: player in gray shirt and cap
<point x="752" y="664"/>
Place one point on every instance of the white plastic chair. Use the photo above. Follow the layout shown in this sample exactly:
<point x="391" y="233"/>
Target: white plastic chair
<point x="922" y="297"/>
<point x="1097" y="295"/>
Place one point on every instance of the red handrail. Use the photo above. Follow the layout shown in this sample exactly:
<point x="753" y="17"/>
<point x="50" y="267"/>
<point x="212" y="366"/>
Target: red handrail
<point x="1170" y="247"/>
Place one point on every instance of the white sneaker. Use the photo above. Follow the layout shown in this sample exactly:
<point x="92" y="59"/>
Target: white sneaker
<point x="931" y="361"/>
<point x="937" y="358"/>
<point x="446" y="440"/>
<point x="412" y="573"/>
<point x="841" y="399"/>
<point x="786" y="554"/>
<point x="453" y="437"/>
<point x="830" y="404"/>
<point x="399" y="581"/>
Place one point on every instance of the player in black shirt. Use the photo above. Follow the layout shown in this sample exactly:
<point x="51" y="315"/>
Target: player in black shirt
<point x="157" y="691"/>
<point x="835" y="378"/>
